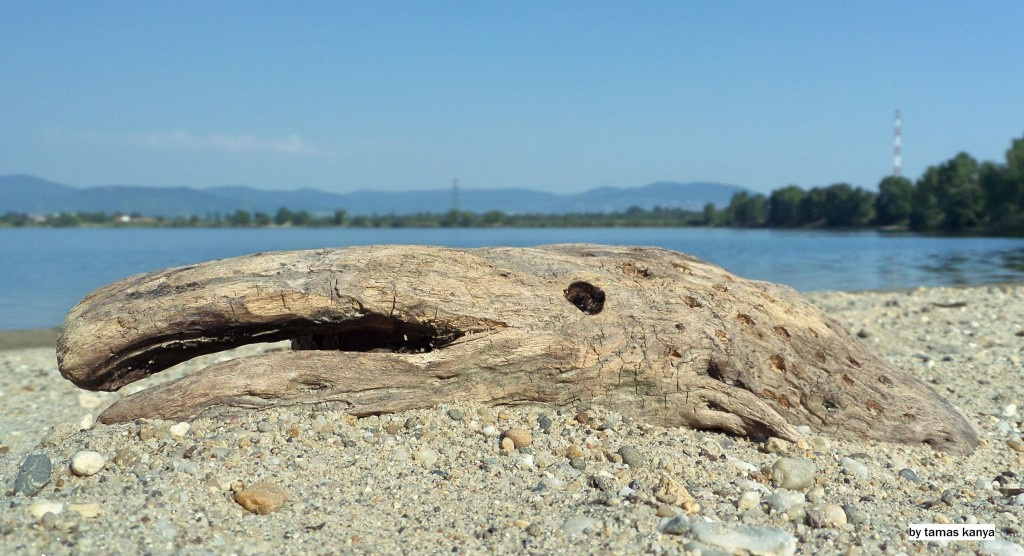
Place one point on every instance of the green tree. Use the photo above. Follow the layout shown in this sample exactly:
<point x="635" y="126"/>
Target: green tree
<point x="284" y="217"/>
<point x="340" y="216"/>
<point x="709" y="214"/>
<point x="746" y="210"/>
<point x="240" y="218"/>
<point x="925" y="212"/>
<point x="812" y="207"/>
<point x="892" y="206"/>
<point x="784" y="206"/>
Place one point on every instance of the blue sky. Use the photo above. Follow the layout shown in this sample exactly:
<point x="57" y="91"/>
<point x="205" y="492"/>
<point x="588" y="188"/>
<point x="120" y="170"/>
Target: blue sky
<point x="561" y="96"/>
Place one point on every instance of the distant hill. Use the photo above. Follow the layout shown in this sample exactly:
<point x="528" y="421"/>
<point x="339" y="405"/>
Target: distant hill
<point x="23" y="193"/>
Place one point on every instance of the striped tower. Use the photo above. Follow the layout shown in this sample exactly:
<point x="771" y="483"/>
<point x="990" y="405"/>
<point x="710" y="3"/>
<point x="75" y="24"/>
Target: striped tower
<point x="897" y="157"/>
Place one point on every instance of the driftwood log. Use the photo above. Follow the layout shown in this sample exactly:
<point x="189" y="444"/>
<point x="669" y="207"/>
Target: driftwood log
<point x="653" y="334"/>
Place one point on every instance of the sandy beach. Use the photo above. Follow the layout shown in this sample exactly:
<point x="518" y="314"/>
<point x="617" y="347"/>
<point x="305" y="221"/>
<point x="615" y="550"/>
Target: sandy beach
<point x="442" y="479"/>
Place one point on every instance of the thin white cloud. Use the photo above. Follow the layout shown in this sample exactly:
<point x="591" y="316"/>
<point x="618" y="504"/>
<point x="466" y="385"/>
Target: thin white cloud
<point x="184" y="140"/>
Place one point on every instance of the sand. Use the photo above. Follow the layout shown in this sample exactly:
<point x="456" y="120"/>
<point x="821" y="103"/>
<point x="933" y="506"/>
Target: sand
<point x="441" y="480"/>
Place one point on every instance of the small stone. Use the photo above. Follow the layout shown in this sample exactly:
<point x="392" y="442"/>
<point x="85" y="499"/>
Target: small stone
<point x="756" y="540"/>
<point x="262" y="498"/>
<point x="1015" y="444"/>
<point x="578" y="464"/>
<point x="1001" y="547"/>
<point x="426" y="457"/>
<point x="575" y="525"/>
<point x="126" y="458"/>
<point x="490" y="431"/>
<point x="455" y="415"/>
<point x="793" y="473"/>
<point x="748" y="501"/>
<point x="826" y="516"/>
<point x="1010" y="410"/>
<point x="675" y="525"/>
<point x="33" y="474"/>
<point x="854" y="467"/>
<point x="520" y="437"/>
<point x="89" y="400"/>
<point x="87" y="422"/>
<point x="941" y="519"/>
<point x="632" y="457"/>
<point x="88" y="510"/>
<point x="87" y="463"/>
<point x="179" y="430"/>
<point x="909" y="475"/>
<point x="507" y="445"/>
<point x="668" y="510"/>
<point x="43" y="507"/>
<point x="544" y="422"/>
<point x="782" y="499"/>
<point x="819" y="443"/>
<point x="853" y="515"/>
<point x="669" y="491"/>
<point x="582" y="418"/>
<point x="605" y="483"/>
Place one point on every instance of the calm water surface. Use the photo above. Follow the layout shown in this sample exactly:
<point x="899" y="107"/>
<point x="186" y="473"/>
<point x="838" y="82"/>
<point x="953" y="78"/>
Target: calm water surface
<point x="44" y="272"/>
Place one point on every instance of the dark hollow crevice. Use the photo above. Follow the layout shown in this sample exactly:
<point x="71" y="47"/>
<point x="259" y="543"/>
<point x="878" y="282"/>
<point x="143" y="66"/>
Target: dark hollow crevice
<point x="377" y="333"/>
<point x="586" y="297"/>
<point x="718" y="371"/>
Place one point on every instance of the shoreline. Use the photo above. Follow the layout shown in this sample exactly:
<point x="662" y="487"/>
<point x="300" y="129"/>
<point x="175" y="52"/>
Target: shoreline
<point x="29" y="338"/>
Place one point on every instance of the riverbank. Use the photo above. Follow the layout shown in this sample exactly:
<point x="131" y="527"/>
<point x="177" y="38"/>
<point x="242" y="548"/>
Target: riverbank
<point x="439" y="480"/>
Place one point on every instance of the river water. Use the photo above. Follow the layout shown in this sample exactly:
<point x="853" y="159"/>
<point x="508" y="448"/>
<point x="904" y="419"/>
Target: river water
<point x="45" y="271"/>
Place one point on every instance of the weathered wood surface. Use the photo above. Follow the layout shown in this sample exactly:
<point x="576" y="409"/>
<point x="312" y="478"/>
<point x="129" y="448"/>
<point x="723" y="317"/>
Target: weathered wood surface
<point x="653" y="334"/>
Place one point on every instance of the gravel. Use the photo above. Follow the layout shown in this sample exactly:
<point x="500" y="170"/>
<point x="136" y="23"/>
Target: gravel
<point x="313" y="480"/>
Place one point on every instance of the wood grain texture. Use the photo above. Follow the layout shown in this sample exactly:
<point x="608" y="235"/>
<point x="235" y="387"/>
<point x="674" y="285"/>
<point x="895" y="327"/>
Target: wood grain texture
<point x="654" y="334"/>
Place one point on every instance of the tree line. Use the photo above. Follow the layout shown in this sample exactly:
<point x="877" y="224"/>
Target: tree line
<point x="958" y="195"/>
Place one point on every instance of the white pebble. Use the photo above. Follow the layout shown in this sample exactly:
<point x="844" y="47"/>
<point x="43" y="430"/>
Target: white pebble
<point x="426" y="457"/>
<point x="1010" y="410"/>
<point x="89" y="400"/>
<point x="87" y="510"/>
<point x="748" y="501"/>
<point x="87" y="422"/>
<point x="39" y="509"/>
<point x="86" y="463"/>
<point x="179" y="430"/>
<point x="490" y="430"/>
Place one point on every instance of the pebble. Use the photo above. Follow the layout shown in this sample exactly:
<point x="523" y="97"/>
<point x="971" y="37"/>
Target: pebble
<point x="1010" y="410"/>
<point x="854" y="467"/>
<point x="521" y="438"/>
<point x="426" y="457"/>
<point x="87" y="463"/>
<point x="580" y="524"/>
<point x="179" y="430"/>
<point x="262" y="498"/>
<point x="33" y="474"/>
<point x="827" y="515"/>
<point x="1001" y="547"/>
<point x="767" y="541"/>
<point x="490" y="430"/>
<point x="632" y="457"/>
<point x="1016" y="444"/>
<point x="89" y="400"/>
<point x="544" y="422"/>
<point x="793" y="473"/>
<point x="782" y="500"/>
<point x="678" y="524"/>
<point x="455" y="415"/>
<point x="43" y="507"/>
<point x="88" y="510"/>
<point x="87" y="422"/>
<point x="909" y="474"/>
<point x="748" y="501"/>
